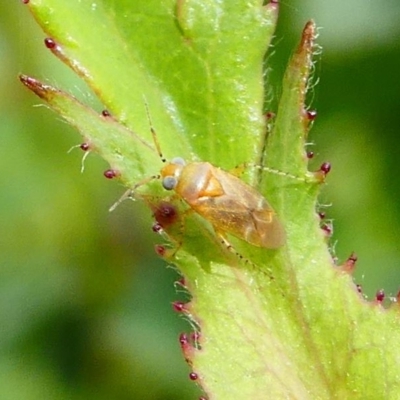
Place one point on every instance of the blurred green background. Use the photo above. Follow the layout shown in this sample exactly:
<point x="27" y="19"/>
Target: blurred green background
<point x="85" y="304"/>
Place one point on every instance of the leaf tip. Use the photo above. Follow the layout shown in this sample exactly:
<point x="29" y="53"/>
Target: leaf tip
<point x="164" y="252"/>
<point x="350" y="264"/>
<point x="304" y="52"/>
<point x="85" y="146"/>
<point x="380" y="296"/>
<point x="50" y="43"/>
<point x="323" y="171"/>
<point x="105" y="113"/>
<point x="187" y="347"/>
<point x="309" y="35"/>
<point x="359" y="289"/>
<point x="193" y="376"/>
<point x="43" y="91"/>
<point x="179" y="306"/>
<point x="327" y="229"/>
<point x="111" y="173"/>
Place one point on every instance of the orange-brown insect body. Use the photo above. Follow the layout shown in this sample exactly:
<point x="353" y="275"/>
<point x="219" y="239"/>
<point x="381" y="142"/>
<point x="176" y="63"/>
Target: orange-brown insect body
<point x="228" y="203"/>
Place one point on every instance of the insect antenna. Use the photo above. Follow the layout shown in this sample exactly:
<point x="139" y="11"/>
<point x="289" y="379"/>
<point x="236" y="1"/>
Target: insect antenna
<point x="154" y="133"/>
<point x="238" y="170"/>
<point x="281" y="173"/>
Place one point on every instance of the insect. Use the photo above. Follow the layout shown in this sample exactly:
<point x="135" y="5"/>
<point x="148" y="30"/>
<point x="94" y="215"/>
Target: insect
<point x="229" y="204"/>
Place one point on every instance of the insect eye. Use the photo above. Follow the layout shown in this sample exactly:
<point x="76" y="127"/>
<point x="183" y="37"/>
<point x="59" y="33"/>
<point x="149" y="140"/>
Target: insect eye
<point x="169" y="182"/>
<point x="178" y="161"/>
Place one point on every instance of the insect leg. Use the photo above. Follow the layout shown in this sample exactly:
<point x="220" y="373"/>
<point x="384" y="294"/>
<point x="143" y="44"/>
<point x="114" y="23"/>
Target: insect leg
<point x="232" y="249"/>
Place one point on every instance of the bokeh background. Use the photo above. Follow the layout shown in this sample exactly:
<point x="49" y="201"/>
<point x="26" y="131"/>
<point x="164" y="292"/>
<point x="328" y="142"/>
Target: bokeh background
<point x="85" y="305"/>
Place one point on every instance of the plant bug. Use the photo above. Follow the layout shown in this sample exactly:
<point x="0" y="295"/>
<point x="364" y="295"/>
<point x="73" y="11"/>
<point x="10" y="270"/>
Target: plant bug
<point x="229" y="204"/>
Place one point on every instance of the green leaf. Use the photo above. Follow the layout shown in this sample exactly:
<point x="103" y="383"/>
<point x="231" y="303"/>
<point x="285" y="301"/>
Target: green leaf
<point x="173" y="56"/>
<point x="284" y="323"/>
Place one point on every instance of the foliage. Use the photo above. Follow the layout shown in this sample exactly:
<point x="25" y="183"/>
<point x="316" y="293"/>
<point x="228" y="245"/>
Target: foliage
<point x="288" y="320"/>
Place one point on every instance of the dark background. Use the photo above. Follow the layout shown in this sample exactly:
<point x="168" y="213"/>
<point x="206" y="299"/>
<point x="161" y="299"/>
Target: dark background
<point x="85" y="305"/>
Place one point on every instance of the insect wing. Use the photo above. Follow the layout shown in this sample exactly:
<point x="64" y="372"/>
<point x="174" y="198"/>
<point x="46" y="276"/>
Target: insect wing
<point x="241" y="211"/>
